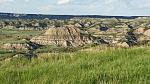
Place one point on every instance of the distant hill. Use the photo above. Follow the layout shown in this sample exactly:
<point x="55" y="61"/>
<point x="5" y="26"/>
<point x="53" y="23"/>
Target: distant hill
<point x="42" y="16"/>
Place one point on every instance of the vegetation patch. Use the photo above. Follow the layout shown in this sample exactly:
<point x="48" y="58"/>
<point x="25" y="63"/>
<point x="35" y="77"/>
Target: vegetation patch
<point x="115" y="66"/>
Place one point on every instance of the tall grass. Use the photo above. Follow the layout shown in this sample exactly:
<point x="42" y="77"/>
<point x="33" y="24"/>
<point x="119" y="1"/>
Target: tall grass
<point x="111" y="66"/>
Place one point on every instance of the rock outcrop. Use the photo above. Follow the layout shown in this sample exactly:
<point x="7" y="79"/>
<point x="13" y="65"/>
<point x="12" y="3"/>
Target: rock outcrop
<point x="147" y="32"/>
<point x="124" y="37"/>
<point x="111" y="36"/>
<point x="19" y="46"/>
<point x="139" y="30"/>
<point x="65" y="36"/>
<point x="16" y="46"/>
<point x="123" y="44"/>
<point x="69" y="35"/>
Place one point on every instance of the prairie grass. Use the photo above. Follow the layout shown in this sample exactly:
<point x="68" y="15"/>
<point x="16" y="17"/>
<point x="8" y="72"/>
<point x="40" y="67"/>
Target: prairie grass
<point x="108" y="66"/>
<point x="16" y="36"/>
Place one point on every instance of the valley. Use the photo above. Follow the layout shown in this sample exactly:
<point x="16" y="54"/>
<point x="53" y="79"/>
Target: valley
<point x="75" y="51"/>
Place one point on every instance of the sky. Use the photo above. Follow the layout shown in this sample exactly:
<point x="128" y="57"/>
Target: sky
<point x="78" y="7"/>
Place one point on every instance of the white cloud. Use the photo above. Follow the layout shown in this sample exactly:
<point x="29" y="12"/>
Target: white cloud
<point x="6" y="0"/>
<point x="62" y="2"/>
<point x="147" y="5"/>
<point x="45" y="9"/>
<point x="3" y="2"/>
<point x="26" y="0"/>
<point x="110" y="1"/>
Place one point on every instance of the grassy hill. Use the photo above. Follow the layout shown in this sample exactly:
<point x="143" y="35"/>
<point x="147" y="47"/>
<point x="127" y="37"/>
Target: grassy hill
<point x="97" y="65"/>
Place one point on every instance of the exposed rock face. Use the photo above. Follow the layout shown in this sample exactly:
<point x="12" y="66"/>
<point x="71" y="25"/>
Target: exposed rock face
<point x="147" y="32"/>
<point x="139" y="30"/>
<point x="131" y="38"/>
<point x="73" y="36"/>
<point x="78" y="25"/>
<point x="144" y="38"/>
<point x="111" y="36"/>
<point x="121" y="36"/>
<point x="19" y="46"/>
<point x="16" y="46"/>
<point x="62" y="36"/>
<point x="124" y="45"/>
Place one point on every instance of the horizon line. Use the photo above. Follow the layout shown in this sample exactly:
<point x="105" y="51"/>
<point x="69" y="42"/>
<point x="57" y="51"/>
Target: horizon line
<point x="77" y="14"/>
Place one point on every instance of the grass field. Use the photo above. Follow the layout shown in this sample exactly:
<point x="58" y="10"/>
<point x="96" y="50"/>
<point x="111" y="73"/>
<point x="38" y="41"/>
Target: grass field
<point x="16" y="36"/>
<point x="91" y="66"/>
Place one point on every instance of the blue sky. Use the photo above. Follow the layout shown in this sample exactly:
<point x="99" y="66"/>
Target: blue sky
<point x="77" y="7"/>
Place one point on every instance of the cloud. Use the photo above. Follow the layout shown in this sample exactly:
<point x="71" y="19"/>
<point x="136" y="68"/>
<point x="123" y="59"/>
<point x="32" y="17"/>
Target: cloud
<point x="26" y="0"/>
<point x="45" y="9"/>
<point x="62" y="2"/>
<point x="110" y="1"/>
<point x="144" y="6"/>
<point x="3" y="2"/>
<point x="139" y="5"/>
<point x="147" y="5"/>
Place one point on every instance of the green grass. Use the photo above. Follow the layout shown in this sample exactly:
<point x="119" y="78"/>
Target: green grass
<point x="16" y="36"/>
<point x="110" y="66"/>
<point x="5" y="53"/>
